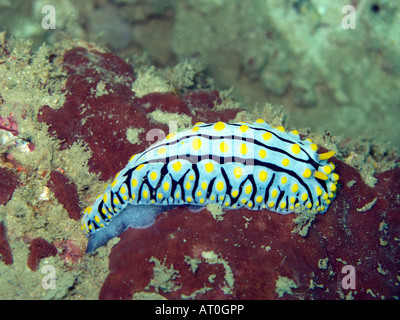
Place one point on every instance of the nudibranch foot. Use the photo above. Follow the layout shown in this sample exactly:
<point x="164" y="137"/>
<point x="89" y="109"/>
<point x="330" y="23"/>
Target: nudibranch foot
<point x="132" y="216"/>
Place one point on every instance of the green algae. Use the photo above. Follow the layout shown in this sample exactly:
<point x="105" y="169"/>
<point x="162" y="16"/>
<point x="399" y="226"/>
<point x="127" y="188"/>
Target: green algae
<point x="29" y="81"/>
<point x="163" y="277"/>
<point x="284" y="285"/>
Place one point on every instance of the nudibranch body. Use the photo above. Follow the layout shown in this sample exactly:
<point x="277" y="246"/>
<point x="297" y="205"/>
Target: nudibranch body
<point x="235" y="165"/>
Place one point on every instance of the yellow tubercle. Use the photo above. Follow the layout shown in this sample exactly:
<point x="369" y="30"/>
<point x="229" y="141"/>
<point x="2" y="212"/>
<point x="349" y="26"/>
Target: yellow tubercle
<point x="219" y="126"/>
<point x="326" y="155"/>
<point x="327" y="169"/>
<point x="281" y="128"/>
<point x="296" y="149"/>
<point x="307" y="173"/>
<point x="313" y="147"/>
<point x="320" y="175"/>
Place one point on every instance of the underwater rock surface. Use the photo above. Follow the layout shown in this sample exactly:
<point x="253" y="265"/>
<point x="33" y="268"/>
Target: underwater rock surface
<point x="241" y="254"/>
<point x="252" y="252"/>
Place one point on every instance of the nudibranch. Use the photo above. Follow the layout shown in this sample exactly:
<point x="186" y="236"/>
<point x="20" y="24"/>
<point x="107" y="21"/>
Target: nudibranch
<point x="237" y="165"/>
